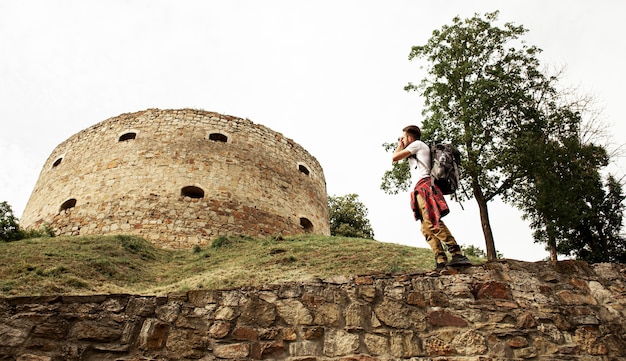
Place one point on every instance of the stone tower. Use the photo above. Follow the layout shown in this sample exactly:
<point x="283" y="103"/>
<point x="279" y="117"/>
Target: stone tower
<point x="179" y="178"/>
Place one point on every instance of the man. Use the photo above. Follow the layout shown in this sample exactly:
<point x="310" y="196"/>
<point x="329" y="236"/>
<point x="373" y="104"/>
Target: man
<point x="427" y="201"/>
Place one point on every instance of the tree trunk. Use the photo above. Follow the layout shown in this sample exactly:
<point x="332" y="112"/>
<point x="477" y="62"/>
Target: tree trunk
<point x="486" y="225"/>
<point x="551" y="239"/>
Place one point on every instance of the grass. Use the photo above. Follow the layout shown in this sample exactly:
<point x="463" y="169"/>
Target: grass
<point x="129" y="264"/>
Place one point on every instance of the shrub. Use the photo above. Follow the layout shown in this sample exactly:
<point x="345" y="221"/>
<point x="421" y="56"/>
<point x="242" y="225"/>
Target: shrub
<point x="9" y="227"/>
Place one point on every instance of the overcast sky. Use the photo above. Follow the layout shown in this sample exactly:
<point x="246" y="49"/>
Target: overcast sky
<point x="327" y="74"/>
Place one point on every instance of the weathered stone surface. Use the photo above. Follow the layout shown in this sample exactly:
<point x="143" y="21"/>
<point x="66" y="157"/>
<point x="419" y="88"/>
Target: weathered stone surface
<point x="393" y="313"/>
<point x="258" y="312"/>
<point x="225" y="313"/>
<point x="400" y="317"/>
<point x="312" y="333"/>
<point x="376" y="344"/>
<point x="517" y="342"/>
<point x="492" y="290"/>
<point x="139" y="185"/>
<point x="433" y="346"/>
<point x="11" y="336"/>
<point x="527" y="320"/>
<point x="219" y="329"/>
<point x="232" y="351"/>
<point x="569" y="297"/>
<point x="305" y="348"/>
<point x="443" y="318"/>
<point x="294" y="312"/>
<point x="200" y="298"/>
<point x="470" y="342"/>
<point x="30" y="357"/>
<point x="268" y="350"/>
<point x="587" y="339"/>
<point x="141" y="306"/>
<point x="368" y="293"/>
<point x="168" y="312"/>
<point x="152" y="334"/>
<point x="340" y="343"/>
<point x="417" y="299"/>
<point x="328" y="314"/>
<point x="245" y="333"/>
<point x="93" y="331"/>
<point x="404" y="344"/>
<point x="358" y="316"/>
<point x="186" y="343"/>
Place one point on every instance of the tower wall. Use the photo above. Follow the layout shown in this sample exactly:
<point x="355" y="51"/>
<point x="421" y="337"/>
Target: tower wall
<point x="179" y="178"/>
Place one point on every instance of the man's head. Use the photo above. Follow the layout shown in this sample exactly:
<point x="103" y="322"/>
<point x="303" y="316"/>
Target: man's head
<point x="411" y="133"/>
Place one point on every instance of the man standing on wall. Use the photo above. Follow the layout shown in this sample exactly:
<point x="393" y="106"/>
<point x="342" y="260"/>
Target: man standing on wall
<point x="427" y="201"/>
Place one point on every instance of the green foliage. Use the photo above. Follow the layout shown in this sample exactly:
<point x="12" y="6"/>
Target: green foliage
<point x="474" y="251"/>
<point x="9" y="226"/>
<point x="219" y="242"/>
<point x="44" y="231"/>
<point x="348" y="217"/>
<point x="398" y="179"/>
<point x="592" y="232"/>
<point x="137" y="245"/>
<point x="478" y="90"/>
<point x="10" y="229"/>
<point x="228" y="241"/>
<point x="519" y="138"/>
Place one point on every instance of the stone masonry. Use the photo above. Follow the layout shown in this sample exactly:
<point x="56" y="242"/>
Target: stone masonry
<point x="507" y="310"/>
<point x="179" y="178"/>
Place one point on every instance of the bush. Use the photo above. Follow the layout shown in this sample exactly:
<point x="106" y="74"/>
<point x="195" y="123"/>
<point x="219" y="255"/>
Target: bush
<point x="44" y="231"/>
<point x="9" y="227"/>
<point x="348" y="217"/>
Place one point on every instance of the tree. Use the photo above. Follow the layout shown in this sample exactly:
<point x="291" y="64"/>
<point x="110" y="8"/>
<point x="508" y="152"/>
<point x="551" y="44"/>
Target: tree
<point x="595" y="234"/>
<point x="348" y="217"/>
<point x="9" y="227"/>
<point x="478" y="88"/>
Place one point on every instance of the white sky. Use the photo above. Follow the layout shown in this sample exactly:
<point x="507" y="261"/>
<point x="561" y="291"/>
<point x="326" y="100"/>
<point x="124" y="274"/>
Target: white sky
<point x="328" y="74"/>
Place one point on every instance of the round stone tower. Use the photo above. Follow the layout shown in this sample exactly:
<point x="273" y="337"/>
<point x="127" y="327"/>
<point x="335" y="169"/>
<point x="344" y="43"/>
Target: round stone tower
<point x="179" y="178"/>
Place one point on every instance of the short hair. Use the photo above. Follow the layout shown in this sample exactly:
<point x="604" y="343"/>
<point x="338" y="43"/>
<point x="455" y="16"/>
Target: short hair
<point x="414" y="131"/>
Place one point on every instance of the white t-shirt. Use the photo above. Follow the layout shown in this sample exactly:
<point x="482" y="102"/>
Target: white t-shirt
<point x="421" y="169"/>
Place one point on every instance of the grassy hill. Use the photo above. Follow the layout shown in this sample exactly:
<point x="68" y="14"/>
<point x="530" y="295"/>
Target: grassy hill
<point x="129" y="264"/>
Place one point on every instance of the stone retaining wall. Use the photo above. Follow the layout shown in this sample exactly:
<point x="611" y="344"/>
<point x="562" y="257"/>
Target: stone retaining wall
<point x="507" y="310"/>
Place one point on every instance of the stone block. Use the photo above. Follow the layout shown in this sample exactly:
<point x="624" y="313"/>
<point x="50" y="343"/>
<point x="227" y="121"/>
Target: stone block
<point x="232" y="351"/>
<point x="340" y="343"/>
<point x="152" y="335"/>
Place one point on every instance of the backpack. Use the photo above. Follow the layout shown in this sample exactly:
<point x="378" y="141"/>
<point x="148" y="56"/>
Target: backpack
<point x="445" y="164"/>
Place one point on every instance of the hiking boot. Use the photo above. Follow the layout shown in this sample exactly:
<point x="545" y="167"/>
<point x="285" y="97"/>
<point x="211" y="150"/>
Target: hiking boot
<point x="439" y="270"/>
<point x="459" y="260"/>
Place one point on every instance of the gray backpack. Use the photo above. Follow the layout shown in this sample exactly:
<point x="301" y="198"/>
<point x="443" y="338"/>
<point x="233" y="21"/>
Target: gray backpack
<point x="445" y="165"/>
<point x="445" y="161"/>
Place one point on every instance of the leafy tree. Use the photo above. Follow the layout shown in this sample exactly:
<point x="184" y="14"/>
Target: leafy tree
<point x="9" y="227"/>
<point x="521" y="140"/>
<point x="595" y="234"/>
<point x="478" y="91"/>
<point x="348" y="217"/>
<point x="561" y="180"/>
